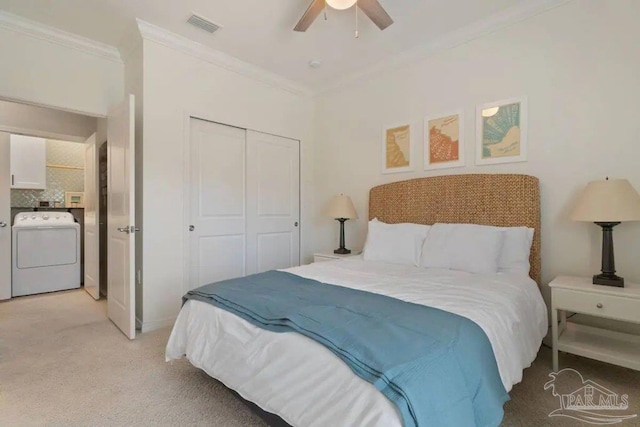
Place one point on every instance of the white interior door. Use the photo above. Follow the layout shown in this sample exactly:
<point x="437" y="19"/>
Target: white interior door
<point x="5" y="218"/>
<point x="217" y="218"/>
<point x="91" y="219"/>
<point x="120" y="216"/>
<point x="273" y="202"/>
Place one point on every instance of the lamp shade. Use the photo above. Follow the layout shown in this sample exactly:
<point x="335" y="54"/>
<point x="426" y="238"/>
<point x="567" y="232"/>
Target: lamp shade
<point x="341" y="206"/>
<point x="612" y="200"/>
<point x="341" y="4"/>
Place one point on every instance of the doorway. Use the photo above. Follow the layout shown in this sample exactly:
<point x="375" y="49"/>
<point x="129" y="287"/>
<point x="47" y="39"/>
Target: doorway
<point x="104" y="171"/>
<point x="43" y="164"/>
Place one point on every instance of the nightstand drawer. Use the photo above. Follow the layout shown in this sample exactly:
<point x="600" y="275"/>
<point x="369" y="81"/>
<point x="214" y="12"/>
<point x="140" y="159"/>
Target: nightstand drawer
<point x="612" y="307"/>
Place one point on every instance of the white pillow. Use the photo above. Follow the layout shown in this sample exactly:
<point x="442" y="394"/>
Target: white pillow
<point x="514" y="257"/>
<point x="466" y="247"/>
<point x="394" y="243"/>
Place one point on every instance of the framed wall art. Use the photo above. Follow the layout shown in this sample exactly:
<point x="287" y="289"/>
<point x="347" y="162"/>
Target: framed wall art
<point x="501" y="132"/>
<point x="397" y="148"/>
<point x="444" y="141"/>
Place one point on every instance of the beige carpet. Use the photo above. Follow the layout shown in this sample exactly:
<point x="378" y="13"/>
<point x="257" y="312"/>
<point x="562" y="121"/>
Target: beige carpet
<point x="62" y="363"/>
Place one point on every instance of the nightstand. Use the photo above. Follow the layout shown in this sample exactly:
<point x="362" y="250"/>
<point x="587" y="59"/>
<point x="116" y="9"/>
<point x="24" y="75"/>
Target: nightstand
<point x="330" y="256"/>
<point x="579" y="295"/>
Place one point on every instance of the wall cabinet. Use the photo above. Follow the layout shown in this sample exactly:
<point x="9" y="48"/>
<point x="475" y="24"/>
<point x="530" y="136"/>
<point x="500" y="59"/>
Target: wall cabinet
<point x="28" y="162"/>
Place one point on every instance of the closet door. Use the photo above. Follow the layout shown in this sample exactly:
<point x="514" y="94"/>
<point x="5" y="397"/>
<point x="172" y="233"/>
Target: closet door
<point x="273" y="202"/>
<point x="217" y="244"/>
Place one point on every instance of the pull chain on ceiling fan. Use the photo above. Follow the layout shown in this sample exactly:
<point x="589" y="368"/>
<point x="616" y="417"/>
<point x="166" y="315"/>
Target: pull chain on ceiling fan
<point x="357" y="32"/>
<point x="371" y="8"/>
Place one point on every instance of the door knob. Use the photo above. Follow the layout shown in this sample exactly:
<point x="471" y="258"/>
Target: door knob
<point x="295" y="224"/>
<point x="3" y="224"/>
<point x="123" y="229"/>
<point x="191" y="228"/>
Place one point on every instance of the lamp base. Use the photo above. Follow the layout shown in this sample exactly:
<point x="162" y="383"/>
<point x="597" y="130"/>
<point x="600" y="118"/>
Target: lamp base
<point x="608" y="280"/>
<point x="342" y="250"/>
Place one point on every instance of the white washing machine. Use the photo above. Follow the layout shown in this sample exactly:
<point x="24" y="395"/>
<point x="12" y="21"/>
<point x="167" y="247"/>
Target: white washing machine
<point x="46" y="253"/>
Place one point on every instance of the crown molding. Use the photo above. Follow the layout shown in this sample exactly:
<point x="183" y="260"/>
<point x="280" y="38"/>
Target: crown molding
<point x="216" y="57"/>
<point x="40" y="31"/>
<point x="450" y="40"/>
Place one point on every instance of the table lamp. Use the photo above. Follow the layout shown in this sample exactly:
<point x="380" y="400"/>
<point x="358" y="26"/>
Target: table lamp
<point x="608" y="203"/>
<point x="341" y="208"/>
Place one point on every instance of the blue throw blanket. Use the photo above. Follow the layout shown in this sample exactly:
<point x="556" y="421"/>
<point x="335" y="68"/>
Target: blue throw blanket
<point x="438" y="368"/>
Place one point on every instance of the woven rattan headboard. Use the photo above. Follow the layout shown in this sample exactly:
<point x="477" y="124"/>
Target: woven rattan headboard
<point x="504" y="200"/>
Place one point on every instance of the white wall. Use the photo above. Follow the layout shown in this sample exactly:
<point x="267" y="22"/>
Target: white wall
<point x="101" y="130"/>
<point x="175" y="85"/>
<point x="579" y="66"/>
<point x="45" y="73"/>
<point x="45" y="122"/>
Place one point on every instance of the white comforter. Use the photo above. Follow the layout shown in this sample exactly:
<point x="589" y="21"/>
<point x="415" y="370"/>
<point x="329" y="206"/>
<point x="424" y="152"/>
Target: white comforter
<point x="306" y="385"/>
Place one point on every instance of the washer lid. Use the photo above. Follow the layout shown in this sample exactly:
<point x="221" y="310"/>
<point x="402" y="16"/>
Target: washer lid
<point x="43" y="219"/>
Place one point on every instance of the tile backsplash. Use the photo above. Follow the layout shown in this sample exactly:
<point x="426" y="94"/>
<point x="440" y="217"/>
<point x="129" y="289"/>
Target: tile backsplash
<point x="59" y="180"/>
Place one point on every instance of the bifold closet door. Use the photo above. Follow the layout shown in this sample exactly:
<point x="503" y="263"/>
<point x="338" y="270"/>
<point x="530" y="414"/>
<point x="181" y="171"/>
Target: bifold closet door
<point x="217" y="222"/>
<point x="273" y="202"/>
<point x="91" y="219"/>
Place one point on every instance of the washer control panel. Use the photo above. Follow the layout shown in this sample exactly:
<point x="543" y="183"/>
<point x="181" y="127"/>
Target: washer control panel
<point x="43" y="217"/>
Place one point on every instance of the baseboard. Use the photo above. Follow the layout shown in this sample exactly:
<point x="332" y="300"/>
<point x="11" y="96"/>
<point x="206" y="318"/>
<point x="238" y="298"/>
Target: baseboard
<point x="155" y="324"/>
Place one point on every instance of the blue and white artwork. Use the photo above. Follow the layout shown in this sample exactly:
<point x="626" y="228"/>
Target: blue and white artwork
<point x="501" y="132"/>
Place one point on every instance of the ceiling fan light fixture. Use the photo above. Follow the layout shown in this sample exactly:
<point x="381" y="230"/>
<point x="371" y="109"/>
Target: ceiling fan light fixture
<point x="341" y="4"/>
<point x="372" y="8"/>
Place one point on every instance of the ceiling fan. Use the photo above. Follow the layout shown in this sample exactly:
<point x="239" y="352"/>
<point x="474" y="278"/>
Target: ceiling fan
<point x="371" y="8"/>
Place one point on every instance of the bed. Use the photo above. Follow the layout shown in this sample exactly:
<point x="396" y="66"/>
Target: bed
<point x="303" y="383"/>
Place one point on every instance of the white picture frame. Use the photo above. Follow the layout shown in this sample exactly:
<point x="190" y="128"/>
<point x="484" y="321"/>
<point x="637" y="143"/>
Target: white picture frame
<point x="74" y="199"/>
<point x="409" y="149"/>
<point x="428" y="156"/>
<point x="512" y="140"/>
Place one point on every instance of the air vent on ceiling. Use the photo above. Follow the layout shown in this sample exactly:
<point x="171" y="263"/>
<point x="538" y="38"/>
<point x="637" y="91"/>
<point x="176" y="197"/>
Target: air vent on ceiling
<point x="202" y="23"/>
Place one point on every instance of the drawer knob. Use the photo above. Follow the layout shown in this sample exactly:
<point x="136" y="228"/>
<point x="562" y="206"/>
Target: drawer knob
<point x="599" y="305"/>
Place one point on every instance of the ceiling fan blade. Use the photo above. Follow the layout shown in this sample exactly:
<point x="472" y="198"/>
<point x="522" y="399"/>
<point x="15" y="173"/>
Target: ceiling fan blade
<point x="316" y="7"/>
<point x="376" y="13"/>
